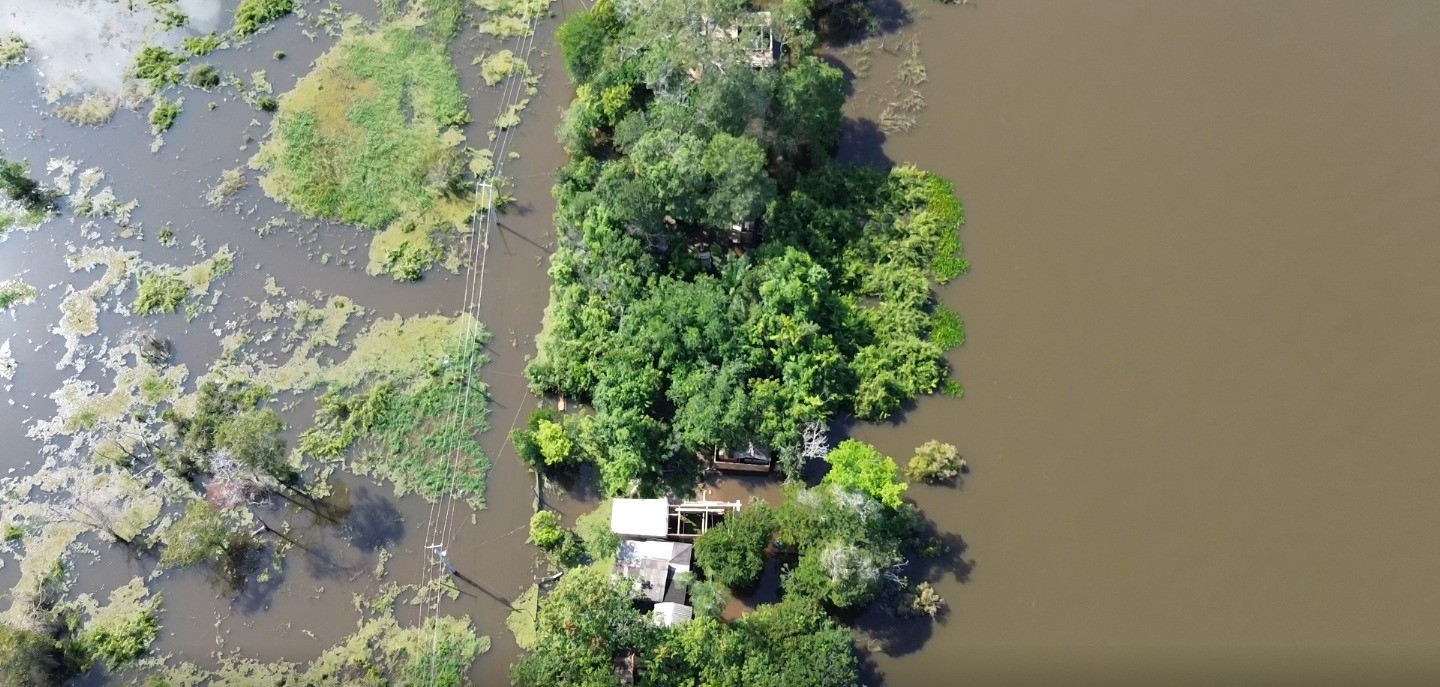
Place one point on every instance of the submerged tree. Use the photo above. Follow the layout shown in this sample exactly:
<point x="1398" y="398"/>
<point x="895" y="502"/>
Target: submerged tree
<point x="28" y="658"/>
<point x="200" y="535"/>
<point x="15" y="181"/>
<point x="934" y="462"/>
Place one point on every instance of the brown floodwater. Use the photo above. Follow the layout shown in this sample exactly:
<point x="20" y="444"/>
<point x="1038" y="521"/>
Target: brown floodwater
<point x="1201" y="375"/>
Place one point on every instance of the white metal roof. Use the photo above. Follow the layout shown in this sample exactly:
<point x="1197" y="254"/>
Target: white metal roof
<point x="639" y="517"/>
<point x="668" y="613"/>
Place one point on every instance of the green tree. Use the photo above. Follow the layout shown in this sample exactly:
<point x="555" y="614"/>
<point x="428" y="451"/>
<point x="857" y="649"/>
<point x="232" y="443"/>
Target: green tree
<point x="810" y="97"/>
<point x="15" y="181"/>
<point x="554" y="443"/>
<point x="255" y="438"/>
<point x="583" y="38"/>
<point x="199" y="535"/>
<point x="860" y="466"/>
<point x="585" y="622"/>
<point x="733" y="552"/>
<point x="546" y="532"/>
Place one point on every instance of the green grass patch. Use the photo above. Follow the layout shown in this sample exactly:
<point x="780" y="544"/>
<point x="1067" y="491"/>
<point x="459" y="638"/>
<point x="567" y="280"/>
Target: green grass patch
<point x="370" y="137"/>
<point x="250" y="15"/>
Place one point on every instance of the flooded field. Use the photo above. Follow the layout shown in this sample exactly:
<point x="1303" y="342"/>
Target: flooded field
<point x="1200" y="368"/>
<point x="309" y="602"/>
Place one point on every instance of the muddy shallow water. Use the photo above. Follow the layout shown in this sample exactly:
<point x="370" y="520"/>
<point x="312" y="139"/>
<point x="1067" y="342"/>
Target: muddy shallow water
<point x="1201" y="364"/>
<point x="310" y="606"/>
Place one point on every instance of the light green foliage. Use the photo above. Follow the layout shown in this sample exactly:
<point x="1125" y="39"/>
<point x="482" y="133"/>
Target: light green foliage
<point x="163" y="114"/>
<point x="524" y="617"/>
<point x="199" y="535"/>
<point x="160" y="292"/>
<point x="934" y="462"/>
<point x="733" y="553"/>
<point x="545" y="530"/>
<point x="158" y="66"/>
<point x="122" y="631"/>
<point x="255" y="439"/>
<point x="554" y="445"/>
<point x="594" y="531"/>
<point x="250" y="15"/>
<point x="199" y="46"/>
<point x="369" y="137"/>
<point x="860" y="467"/>
<point x="15" y="292"/>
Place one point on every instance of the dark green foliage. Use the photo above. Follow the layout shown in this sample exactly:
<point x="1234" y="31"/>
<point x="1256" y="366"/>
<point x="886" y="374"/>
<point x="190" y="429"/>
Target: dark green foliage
<point x="589" y="621"/>
<point x="251" y="14"/>
<point x="16" y="183"/>
<point x="687" y="336"/>
<point x="203" y="76"/>
<point x="199" y="46"/>
<point x="267" y="103"/>
<point x="846" y="542"/>
<point x="216" y="405"/>
<point x="28" y="658"/>
<point x="733" y="553"/>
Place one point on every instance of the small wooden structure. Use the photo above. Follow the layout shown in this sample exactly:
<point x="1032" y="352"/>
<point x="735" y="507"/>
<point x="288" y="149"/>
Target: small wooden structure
<point x="753" y="459"/>
<point x="690" y="519"/>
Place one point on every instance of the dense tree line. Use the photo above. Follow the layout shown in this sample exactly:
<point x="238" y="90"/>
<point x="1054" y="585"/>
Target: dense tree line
<point x="720" y="281"/>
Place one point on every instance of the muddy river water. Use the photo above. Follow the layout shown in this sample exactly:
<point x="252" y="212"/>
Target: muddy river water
<point x="1200" y="373"/>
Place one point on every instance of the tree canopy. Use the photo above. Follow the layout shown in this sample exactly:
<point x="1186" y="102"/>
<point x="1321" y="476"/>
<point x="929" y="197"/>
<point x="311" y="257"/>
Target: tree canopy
<point x="719" y="279"/>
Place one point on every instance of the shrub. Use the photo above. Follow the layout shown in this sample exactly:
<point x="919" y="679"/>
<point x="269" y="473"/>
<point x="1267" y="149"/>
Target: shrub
<point x="199" y="46"/>
<point x="860" y="467"/>
<point x="203" y="76"/>
<point x="934" y="462"/>
<point x="545" y="530"/>
<point x="123" y="641"/>
<point x="733" y="552"/>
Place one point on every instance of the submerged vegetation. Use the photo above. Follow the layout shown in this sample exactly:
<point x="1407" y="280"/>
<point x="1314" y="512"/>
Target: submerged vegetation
<point x="370" y="137"/>
<point x="703" y="194"/>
